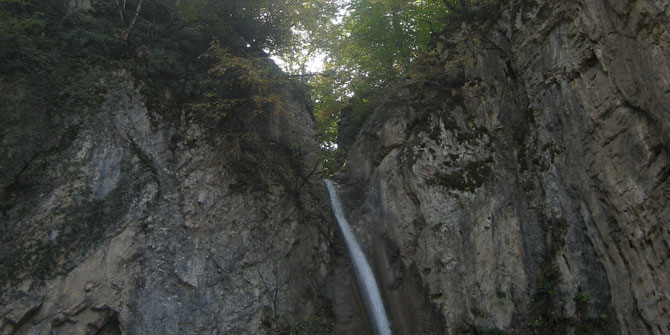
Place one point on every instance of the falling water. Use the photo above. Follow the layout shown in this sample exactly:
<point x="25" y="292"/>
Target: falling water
<point x="366" y="280"/>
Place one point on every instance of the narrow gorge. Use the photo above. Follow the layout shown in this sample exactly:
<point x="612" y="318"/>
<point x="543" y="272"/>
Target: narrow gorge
<point x="516" y="182"/>
<point x="367" y="283"/>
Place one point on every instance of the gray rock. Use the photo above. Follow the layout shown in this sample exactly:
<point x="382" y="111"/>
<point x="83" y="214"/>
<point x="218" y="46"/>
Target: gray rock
<point x="143" y="224"/>
<point x="528" y="194"/>
<point x="533" y="196"/>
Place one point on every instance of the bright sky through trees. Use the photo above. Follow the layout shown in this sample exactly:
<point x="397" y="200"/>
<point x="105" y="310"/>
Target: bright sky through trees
<point x="356" y="49"/>
<point x="314" y="63"/>
<point x="363" y="47"/>
<point x="314" y="59"/>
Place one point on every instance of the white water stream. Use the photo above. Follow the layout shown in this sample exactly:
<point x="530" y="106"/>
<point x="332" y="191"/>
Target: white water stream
<point x="366" y="279"/>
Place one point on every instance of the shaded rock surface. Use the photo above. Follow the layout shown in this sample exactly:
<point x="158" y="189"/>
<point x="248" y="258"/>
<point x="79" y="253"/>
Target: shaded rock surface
<point x="520" y="183"/>
<point x="127" y="221"/>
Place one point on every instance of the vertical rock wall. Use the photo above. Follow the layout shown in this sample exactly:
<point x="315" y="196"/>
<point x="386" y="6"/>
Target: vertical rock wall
<point x="137" y="223"/>
<point x="521" y="183"/>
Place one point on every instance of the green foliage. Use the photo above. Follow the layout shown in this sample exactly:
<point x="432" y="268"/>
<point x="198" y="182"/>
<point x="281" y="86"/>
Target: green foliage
<point x="239" y="24"/>
<point x="371" y="45"/>
<point x="477" y="312"/>
<point x="491" y="331"/>
<point x="52" y="63"/>
<point x="313" y="30"/>
<point x="162" y="46"/>
<point x="465" y="327"/>
<point x="467" y="178"/>
<point x="314" y="325"/>
<point x="547" y="311"/>
<point x="470" y="8"/>
<point x="55" y="66"/>
<point x="589" y="321"/>
<point x="378" y="39"/>
<point x="582" y="298"/>
<point x="239" y="82"/>
<point x="17" y="18"/>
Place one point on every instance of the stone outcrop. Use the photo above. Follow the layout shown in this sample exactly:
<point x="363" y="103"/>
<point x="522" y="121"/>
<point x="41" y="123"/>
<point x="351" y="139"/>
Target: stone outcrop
<point x="129" y="221"/>
<point x="517" y="183"/>
<point x="520" y="183"/>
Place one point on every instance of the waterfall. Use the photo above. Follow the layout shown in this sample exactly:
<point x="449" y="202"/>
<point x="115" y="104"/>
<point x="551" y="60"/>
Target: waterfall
<point x="366" y="279"/>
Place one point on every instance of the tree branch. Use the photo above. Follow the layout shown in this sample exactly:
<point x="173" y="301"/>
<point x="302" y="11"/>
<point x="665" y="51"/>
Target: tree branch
<point x="132" y="23"/>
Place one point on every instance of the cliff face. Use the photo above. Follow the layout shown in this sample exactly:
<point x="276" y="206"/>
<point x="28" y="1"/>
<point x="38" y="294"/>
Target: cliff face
<point x="123" y="220"/>
<point x="517" y="184"/>
<point x="521" y="183"/>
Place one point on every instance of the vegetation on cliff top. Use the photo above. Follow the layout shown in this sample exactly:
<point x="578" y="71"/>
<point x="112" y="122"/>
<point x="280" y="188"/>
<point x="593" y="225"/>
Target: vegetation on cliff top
<point x="47" y="45"/>
<point x="369" y="46"/>
<point x="54" y="52"/>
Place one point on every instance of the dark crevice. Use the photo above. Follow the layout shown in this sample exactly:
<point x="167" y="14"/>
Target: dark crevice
<point x="111" y="327"/>
<point x="69" y="135"/>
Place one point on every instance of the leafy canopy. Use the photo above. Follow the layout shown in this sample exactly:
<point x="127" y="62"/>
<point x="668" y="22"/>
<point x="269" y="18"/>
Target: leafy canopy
<point x="370" y="45"/>
<point x="367" y="44"/>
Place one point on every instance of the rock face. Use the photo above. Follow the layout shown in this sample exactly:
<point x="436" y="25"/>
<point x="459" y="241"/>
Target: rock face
<point x="126" y="221"/>
<point x="520" y="184"/>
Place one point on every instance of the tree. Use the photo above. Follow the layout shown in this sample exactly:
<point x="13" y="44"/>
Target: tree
<point x="369" y="47"/>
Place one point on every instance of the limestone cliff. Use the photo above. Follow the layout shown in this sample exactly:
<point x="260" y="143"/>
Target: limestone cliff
<point x="520" y="183"/>
<point x="516" y="183"/>
<point x="123" y="220"/>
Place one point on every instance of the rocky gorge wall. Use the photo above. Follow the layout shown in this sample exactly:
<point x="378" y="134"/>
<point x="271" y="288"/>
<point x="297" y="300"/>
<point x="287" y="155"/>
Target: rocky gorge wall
<point x="127" y="221"/>
<point x="520" y="184"/>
